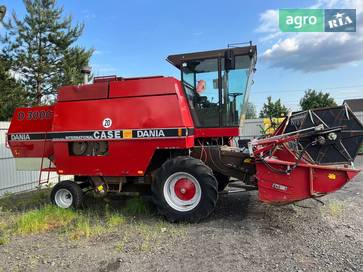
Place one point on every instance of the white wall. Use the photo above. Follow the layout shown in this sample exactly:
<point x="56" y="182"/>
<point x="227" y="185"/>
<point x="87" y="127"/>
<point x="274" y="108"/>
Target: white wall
<point x="251" y="128"/>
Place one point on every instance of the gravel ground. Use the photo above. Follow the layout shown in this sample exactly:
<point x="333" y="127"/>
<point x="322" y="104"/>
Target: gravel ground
<point x="242" y="235"/>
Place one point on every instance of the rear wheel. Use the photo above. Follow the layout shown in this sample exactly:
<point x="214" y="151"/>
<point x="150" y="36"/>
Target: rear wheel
<point x="67" y="194"/>
<point x="185" y="190"/>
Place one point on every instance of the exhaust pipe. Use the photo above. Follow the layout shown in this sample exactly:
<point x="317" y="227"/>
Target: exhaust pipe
<point x="86" y="71"/>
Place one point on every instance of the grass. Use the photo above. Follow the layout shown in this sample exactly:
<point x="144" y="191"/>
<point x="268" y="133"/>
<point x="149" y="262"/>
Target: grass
<point x="115" y="220"/>
<point x="30" y="213"/>
<point x="360" y="152"/>
<point x="148" y="236"/>
<point x="121" y="245"/>
<point x="47" y="218"/>
<point x="335" y="208"/>
<point x="84" y="227"/>
<point x="137" y="206"/>
<point x="4" y="239"/>
<point x="113" y="217"/>
<point x="25" y="201"/>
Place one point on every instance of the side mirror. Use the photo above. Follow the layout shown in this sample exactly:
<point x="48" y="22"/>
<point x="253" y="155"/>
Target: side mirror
<point x="2" y="12"/>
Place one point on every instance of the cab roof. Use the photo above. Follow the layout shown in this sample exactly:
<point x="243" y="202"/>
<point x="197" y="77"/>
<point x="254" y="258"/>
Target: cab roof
<point x="178" y="59"/>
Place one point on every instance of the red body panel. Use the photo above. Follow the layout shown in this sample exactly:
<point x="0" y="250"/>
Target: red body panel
<point x="83" y="92"/>
<point x="31" y="121"/>
<point x="216" y="132"/>
<point x="135" y="112"/>
<point x="35" y="119"/>
<point x="126" y="158"/>
<point x="143" y="87"/>
<point x="137" y="104"/>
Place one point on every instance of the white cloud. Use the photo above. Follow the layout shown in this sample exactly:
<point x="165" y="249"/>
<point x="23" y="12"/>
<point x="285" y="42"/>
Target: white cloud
<point x="269" y="25"/>
<point x="312" y="52"/>
<point x="269" y="21"/>
<point x="357" y="4"/>
<point x="103" y="69"/>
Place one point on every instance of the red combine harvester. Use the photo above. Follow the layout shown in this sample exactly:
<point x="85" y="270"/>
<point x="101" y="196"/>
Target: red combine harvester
<point x="176" y="137"/>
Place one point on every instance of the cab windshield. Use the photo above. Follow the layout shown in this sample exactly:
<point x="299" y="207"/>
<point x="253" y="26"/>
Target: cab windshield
<point x="218" y="89"/>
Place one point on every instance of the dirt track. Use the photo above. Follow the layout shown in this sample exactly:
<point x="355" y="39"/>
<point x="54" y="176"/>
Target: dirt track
<point x="242" y="235"/>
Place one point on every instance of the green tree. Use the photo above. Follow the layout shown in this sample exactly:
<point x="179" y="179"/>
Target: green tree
<point x="12" y="94"/>
<point x="273" y="109"/>
<point x="74" y="60"/>
<point x="313" y="100"/>
<point x="2" y="12"/>
<point x="41" y="45"/>
<point x="251" y="111"/>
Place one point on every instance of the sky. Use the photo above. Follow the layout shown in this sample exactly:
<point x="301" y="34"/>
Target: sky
<point x="133" y="38"/>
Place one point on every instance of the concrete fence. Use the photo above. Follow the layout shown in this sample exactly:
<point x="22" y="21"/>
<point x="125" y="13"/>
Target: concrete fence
<point x="251" y="128"/>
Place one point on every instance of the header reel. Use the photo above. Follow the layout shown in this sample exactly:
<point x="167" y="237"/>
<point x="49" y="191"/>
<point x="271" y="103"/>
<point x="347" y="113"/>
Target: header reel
<point x="336" y="138"/>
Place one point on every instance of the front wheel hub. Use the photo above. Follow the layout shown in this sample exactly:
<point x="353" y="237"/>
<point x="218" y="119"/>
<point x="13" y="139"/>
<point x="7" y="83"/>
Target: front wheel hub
<point x="182" y="191"/>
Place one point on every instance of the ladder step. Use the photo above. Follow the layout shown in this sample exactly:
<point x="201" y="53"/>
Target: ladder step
<point x="49" y="169"/>
<point x="46" y="169"/>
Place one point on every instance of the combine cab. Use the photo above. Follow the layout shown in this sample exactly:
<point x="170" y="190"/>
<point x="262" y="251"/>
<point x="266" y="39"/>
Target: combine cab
<point x="174" y="139"/>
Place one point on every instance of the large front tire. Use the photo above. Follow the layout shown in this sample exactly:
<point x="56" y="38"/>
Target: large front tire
<point x="185" y="190"/>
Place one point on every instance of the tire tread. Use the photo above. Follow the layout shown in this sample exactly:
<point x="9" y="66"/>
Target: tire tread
<point x="204" y="176"/>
